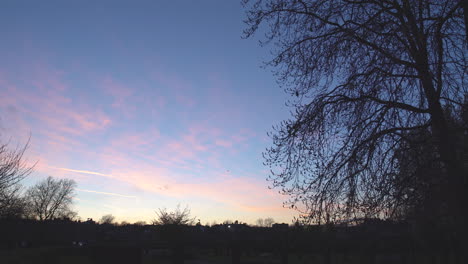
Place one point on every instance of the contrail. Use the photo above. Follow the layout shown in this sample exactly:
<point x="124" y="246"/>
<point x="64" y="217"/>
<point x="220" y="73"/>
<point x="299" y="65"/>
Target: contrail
<point x="93" y="173"/>
<point x="107" y="193"/>
<point x="82" y="171"/>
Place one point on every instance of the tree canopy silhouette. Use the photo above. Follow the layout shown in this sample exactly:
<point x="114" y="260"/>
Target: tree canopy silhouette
<point x="51" y="198"/>
<point x="267" y="222"/>
<point x="420" y="170"/>
<point x="107" y="219"/>
<point x="177" y="217"/>
<point x="364" y="75"/>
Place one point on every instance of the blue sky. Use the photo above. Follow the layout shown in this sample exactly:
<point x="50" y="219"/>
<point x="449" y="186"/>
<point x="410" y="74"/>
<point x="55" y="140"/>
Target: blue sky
<point x="145" y="104"/>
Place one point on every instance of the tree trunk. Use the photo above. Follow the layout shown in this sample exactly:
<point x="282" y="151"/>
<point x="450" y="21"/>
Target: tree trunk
<point x="464" y="4"/>
<point x="455" y="189"/>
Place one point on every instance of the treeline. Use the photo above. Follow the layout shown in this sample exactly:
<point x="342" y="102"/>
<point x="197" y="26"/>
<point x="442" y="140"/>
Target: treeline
<point x="367" y="242"/>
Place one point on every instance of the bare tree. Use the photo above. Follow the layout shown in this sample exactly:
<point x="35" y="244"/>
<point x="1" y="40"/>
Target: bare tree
<point x="177" y="217"/>
<point x="12" y="204"/>
<point x="107" y="219"/>
<point x="13" y="169"/>
<point x="51" y="198"/>
<point x="267" y="222"/>
<point x="363" y="75"/>
<point x="13" y="166"/>
<point x="259" y="222"/>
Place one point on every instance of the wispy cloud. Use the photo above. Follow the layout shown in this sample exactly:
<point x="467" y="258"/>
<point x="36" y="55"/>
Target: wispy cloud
<point x="47" y="103"/>
<point x="107" y="193"/>
<point x="82" y="171"/>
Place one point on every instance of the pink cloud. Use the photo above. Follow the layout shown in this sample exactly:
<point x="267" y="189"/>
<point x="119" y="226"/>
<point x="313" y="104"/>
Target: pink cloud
<point x="132" y="100"/>
<point x="156" y="173"/>
<point x="46" y="103"/>
<point x="180" y="88"/>
<point x="120" y="94"/>
<point x="47" y="79"/>
<point x="223" y="143"/>
<point x="90" y="121"/>
<point x="136" y="141"/>
<point x="243" y="135"/>
<point x="239" y="192"/>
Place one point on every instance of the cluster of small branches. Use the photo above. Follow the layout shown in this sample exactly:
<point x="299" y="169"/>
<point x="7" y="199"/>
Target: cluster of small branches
<point x="12" y="203"/>
<point x="13" y="169"/>
<point x="177" y="217"/>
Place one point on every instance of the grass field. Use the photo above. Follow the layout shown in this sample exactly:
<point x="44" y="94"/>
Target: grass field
<point x="68" y="255"/>
<point x="60" y="255"/>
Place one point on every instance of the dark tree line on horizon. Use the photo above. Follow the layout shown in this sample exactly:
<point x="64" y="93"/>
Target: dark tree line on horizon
<point x="379" y="123"/>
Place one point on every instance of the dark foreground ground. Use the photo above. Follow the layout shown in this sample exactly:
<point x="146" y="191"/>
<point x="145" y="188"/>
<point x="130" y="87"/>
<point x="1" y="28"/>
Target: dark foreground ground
<point x="52" y="255"/>
<point x="87" y="242"/>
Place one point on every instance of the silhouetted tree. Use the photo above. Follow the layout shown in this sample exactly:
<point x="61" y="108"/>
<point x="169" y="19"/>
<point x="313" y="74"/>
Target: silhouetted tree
<point x="259" y="222"/>
<point x="107" y="219"/>
<point x="419" y="182"/>
<point x="140" y="223"/>
<point x="267" y="222"/>
<point x="418" y="165"/>
<point x="364" y="74"/>
<point x="51" y="198"/>
<point x="12" y="204"/>
<point x="13" y="169"/>
<point x="177" y="217"/>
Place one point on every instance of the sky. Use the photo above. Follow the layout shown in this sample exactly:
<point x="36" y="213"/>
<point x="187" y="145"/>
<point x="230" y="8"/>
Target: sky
<point x="145" y="104"/>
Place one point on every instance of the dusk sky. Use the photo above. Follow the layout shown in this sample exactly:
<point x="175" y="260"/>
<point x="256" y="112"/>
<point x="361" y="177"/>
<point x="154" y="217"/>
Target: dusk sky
<point x="145" y="104"/>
